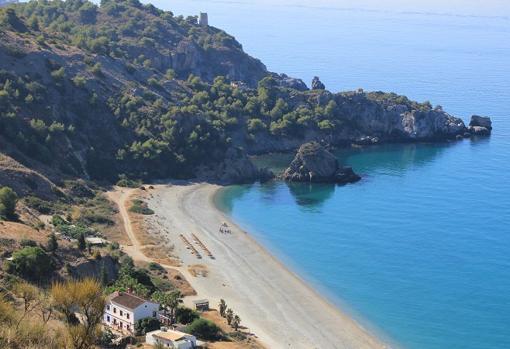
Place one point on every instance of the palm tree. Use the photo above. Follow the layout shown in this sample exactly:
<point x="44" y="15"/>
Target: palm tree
<point x="223" y="307"/>
<point x="169" y="301"/>
<point x="236" y="321"/>
<point x="230" y="316"/>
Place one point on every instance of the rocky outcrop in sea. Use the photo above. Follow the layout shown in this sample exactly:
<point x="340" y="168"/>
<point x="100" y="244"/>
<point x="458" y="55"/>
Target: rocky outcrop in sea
<point x="313" y="163"/>
<point x="480" y="125"/>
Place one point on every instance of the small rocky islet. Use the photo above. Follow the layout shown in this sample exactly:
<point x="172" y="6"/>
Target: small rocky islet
<point x="315" y="164"/>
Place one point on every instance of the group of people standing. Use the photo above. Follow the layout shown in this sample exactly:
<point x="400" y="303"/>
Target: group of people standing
<point x="224" y="228"/>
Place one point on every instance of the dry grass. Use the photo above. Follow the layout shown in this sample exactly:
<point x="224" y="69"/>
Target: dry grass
<point x="250" y="342"/>
<point x="161" y="255"/>
<point x="198" y="270"/>
<point x="18" y="231"/>
<point x="247" y="344"/>
<point x="141" y="233"/>
<point x="115" y="232"/>
<point x="179" y="281"/>
<point x="154" y="247"/>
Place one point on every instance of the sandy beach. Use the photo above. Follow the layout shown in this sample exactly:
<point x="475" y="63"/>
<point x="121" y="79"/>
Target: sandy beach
<point x="277" y="306"/>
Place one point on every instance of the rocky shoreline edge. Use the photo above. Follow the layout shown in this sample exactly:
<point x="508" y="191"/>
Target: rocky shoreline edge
<point x="313" y="162"/>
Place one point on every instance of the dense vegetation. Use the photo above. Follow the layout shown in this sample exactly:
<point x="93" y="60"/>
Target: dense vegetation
<point x="126" y="88"/>
<point x="8" y="199"/>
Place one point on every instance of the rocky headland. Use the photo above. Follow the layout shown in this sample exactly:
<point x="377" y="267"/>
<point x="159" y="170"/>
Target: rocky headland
<point x="171" y="99"/>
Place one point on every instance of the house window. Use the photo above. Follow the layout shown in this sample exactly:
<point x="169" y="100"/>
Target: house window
<point x="108" y="307"/>
<point x="115" y="321"/>
<point x="114" y="310"/>
<point x="107" y="318"/>
<point x="127" y="315"/>
<point x="153" y="314"/>
<point x="121" y="313"/>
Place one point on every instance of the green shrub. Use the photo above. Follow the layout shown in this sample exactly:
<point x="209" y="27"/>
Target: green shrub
<point x="154" y="83"/>
<point x="32" y="263"/>
<point x="52" y="243"/>
<point x="56" y="127"/>
<point x="79" y="81"/>
<point x="27" y="243"/>
<point x="8" y="200"/>
<point x="143" y="326"/>
<point x="185" y="315"/>
<point x="96" y="69"/>
<point x="140" y="207"/>
<point x="58" y="74"/>
<point x="256" y="125"/>
<point x="126" y="182"/>
<point x="204" y="329"/>
<point x="156" y="266"/>
<point x="57" y="221"/>
<point x="92" y="216"/>
<point x="74" y="231"/>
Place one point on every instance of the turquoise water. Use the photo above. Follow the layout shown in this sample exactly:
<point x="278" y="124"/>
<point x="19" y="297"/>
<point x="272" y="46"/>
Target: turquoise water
<point x="420" y="248"/>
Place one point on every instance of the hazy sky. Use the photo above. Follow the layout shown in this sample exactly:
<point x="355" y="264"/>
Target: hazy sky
<point x="499" y="8"/>
<point x="460" y="7"/>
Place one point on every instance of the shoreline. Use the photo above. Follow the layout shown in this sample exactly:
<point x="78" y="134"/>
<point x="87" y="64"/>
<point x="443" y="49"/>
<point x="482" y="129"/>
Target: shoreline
<point x="279" y="307"/>
<point x="307" y="280"/>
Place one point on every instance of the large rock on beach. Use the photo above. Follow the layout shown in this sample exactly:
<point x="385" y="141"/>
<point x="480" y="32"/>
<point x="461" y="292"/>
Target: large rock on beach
<point x="313" y="163"/>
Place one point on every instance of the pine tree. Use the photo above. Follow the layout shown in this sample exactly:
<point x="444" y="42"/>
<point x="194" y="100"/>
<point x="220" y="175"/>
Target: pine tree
<point x="52" y="244"/>
<point x="81" y="242"/>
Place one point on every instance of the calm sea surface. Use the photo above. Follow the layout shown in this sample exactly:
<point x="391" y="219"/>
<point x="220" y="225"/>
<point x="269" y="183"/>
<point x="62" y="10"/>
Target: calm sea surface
<point x="419" y="250"/>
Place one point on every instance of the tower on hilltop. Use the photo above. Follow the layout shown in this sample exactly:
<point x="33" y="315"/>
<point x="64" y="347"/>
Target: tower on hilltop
<point x="204" y="19"/>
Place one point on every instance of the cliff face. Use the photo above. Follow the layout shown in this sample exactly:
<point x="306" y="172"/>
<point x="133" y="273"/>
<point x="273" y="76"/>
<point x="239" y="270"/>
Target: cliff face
<point x="364" y="118"/>
<point x="236" y="167"/>
<point x="399" y="120"/>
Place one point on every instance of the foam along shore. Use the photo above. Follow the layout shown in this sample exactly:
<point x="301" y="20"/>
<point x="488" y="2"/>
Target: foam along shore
<point x="279" y="308"/>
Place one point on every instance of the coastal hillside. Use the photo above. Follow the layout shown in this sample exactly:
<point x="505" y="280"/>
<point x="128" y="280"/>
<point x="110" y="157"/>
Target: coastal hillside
<point x="126" y="89"/>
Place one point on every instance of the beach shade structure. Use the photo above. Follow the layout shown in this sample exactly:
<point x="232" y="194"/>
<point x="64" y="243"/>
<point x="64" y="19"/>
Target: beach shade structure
<point x="201" y="304"/>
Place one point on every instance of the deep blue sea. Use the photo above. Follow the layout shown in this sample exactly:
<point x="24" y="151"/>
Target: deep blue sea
<point x="419" y="249"/>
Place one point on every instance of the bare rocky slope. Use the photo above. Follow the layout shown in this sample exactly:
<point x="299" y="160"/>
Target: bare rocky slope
<point x="126" y="88"/>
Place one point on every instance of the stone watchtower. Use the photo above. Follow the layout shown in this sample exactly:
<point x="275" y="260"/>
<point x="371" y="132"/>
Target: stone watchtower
<point x="204" y="20"/>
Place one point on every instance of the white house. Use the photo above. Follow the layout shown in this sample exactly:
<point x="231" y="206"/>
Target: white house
<point x="171" y="339"/>
<point x="123" y="309"/>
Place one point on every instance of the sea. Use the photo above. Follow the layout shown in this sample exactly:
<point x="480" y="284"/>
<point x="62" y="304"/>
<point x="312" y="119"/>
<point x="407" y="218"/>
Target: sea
<point x="418" y="251"/>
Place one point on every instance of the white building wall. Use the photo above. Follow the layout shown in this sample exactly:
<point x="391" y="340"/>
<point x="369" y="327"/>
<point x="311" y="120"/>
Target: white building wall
<point x="189" y="344"/>
<point x="119" y="317"/>
<point x="146" y="310"/>
<point x="124" y="319"/>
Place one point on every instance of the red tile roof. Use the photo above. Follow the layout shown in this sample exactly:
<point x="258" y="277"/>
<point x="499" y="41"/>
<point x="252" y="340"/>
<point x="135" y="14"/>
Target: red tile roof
<point x="127" y="300"/>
